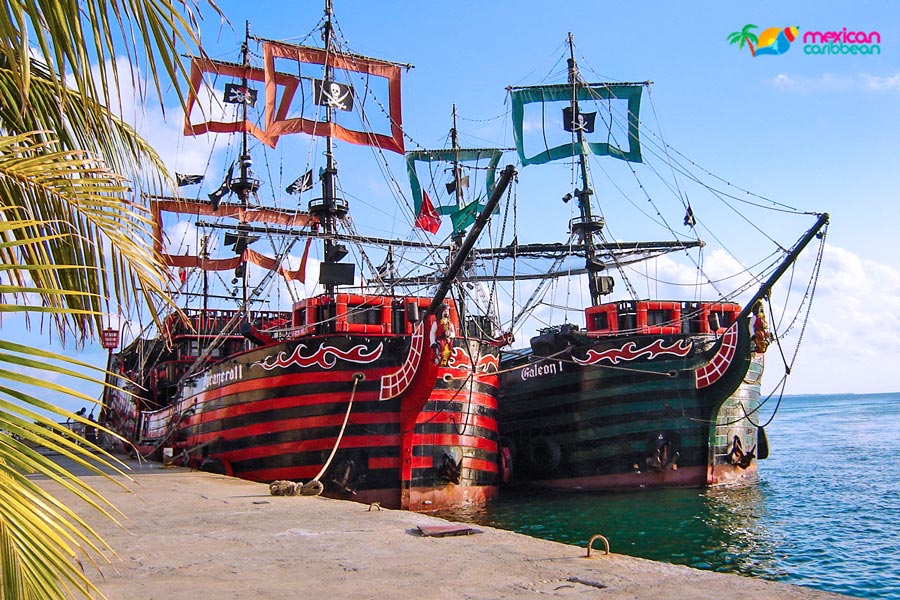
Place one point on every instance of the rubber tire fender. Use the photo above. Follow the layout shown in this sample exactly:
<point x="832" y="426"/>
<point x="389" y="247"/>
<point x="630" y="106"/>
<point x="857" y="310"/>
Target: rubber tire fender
<point x="543" y="455"/>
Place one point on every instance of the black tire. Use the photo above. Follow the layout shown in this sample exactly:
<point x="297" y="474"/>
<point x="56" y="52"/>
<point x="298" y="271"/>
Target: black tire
<point x="543" y="455"/>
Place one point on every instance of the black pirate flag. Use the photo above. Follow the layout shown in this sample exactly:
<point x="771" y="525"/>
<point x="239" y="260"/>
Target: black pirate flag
<point x="584" y="121"/>
<point x="239" y="94"/>
<point x="182" y="179"/>
<point x="333" y="94"/>
<point x="301" y="184"/>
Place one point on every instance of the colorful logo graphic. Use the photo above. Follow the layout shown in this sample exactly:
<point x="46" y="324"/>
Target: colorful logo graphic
<point x="773" y="40"/>
<point x="777" y="41"/>
<point x="842" y="42"/>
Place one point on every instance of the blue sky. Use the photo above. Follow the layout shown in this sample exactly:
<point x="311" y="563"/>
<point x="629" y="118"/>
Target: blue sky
<point x="819" y="133"/>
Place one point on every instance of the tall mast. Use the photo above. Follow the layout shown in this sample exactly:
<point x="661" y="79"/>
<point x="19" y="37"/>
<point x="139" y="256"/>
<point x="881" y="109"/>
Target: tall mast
<point x="457" y="170"/>
<point x="330" y="208"/>
<point x="588" y="225"/>
<point x="245" y="184"/>
<point x="458" y="194"/>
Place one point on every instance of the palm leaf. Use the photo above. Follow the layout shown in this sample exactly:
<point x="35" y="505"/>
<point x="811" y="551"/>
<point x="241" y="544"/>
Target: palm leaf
<point x="71" y="35"/>
<point x="83" y="125"/>
<point x="72" y="246"/>
<point x="56" y="206"/>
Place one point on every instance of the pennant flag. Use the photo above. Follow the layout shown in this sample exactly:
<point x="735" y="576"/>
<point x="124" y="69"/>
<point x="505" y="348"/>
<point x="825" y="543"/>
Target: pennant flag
<point x="584" y="121"/>
<point x="239" y="94"/>
<point x="301" y="184"/>
<point x="239" y="241"/>
<point x="301" y="271"/>
<point x="216" y="197"/>
<point x="333" y="94"/>
<point x="387" y="267"/>
<point x="182" y="275"/>
<point x="183" y="180"/>
<point x="428" y="218"/>
<point x="465" y="216"/>
<point x="689" y="219"/>
<point x="463" y="181"/>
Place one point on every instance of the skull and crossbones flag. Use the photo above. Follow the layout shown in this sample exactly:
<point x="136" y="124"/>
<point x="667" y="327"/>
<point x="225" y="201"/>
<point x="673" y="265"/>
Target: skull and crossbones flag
<point x="182" y="179"/>
<point x="333" y="94"/>
<point x="584" y="121"/>
<point x="301" y="184"/>
<point x="239" y="94"/>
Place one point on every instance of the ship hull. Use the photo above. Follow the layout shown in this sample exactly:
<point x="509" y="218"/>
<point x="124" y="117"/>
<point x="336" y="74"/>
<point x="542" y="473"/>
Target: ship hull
<point x="662" y="413"/>
<point x="316" y="408"/>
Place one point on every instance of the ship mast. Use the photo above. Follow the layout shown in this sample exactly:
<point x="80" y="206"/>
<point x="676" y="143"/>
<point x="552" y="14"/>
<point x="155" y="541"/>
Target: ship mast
<point x="329" y="209"/>
<point x="586" y="226"/>
<point x="457" y="170"/>
<point x="245" y="184"/>
<point x="458" y="194"/>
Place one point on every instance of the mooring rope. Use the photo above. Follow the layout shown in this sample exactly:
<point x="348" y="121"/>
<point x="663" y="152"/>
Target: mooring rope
<point x="357" y="377"/>
<point x="314" y="487"/>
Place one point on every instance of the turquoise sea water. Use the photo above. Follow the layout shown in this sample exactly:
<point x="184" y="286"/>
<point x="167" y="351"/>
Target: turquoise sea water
<point x="826" y="513"/>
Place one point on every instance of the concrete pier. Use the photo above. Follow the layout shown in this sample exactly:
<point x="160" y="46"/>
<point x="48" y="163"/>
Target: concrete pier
<point x="196" y="536"/>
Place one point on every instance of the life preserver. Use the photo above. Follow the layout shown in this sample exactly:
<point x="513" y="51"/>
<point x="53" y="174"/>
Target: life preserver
<point x="543" y="455"/>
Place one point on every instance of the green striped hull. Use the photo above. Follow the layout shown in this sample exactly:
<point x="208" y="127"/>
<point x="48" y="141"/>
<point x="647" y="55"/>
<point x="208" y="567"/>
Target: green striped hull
<point x="640" y="422"/>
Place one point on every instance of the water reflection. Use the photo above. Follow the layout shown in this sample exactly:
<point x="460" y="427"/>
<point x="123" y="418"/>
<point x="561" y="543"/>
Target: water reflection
<point x="717" y="530"/>
<point x="825" y="514"/>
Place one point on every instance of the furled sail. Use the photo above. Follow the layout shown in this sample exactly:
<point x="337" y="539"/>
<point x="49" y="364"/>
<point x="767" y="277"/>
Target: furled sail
<point x="610" y="127"/>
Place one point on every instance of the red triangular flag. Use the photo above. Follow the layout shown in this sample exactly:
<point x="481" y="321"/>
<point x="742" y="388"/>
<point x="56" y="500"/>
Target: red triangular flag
<point x="428" y="218"/>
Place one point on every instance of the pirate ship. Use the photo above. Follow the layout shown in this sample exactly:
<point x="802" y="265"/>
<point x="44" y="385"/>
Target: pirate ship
<point x="362" y="389"/>
<point x="644" y="392"/>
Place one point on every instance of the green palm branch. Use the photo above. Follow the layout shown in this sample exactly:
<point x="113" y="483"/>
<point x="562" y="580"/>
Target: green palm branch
<point x="744" y="36"/>
<point x="74" y="246"/>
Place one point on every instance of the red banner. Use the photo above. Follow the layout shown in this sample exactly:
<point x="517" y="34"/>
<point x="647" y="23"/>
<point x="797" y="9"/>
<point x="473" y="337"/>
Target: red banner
<point x="201" y="66"/>
<point x="277" y="124"/>
<point x="235" y="211"/>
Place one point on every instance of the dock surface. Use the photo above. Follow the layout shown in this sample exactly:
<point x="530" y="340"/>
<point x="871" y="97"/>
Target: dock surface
<point x="190" y="535"/>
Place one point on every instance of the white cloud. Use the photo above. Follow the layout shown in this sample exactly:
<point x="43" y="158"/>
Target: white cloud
<point x="826" y="82"/>
<point x="850" y="343"/>
<point x="878" y="84"/>
<point x="829" y="82"/>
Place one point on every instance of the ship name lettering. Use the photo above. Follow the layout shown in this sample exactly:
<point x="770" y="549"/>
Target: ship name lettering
<point x="231" y="375"/>
<point x="542" y="369"/>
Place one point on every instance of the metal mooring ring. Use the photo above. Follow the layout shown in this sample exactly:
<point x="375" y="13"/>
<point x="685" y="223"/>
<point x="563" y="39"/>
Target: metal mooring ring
<point x="591" y="543"/>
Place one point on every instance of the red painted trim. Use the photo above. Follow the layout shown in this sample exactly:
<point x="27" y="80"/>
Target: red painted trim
<point x="481" y="465"/>
<point x="469" y="441"/>
<point x="281" y="404"/>
<point x="384" y="462"/>
<point x="454" y="418"/>
<point x="289" y="379"/>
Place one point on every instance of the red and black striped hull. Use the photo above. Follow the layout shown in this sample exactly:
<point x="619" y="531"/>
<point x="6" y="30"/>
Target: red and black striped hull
<point x="279" y="412"/>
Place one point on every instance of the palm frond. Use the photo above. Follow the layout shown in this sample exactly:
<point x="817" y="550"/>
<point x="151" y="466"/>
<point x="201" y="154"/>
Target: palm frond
<point x="83" y="125"/>
<point x="41" y="538"/>
<point x="66" y="208"/>
<point x="71" y="35"/>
